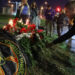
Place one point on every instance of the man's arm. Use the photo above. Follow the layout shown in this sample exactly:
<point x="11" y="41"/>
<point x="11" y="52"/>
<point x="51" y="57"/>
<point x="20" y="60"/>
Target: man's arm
<point x="66" y="36"/>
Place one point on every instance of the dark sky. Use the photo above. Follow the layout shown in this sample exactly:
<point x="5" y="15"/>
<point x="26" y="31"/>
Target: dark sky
<point x="53" y="3"/>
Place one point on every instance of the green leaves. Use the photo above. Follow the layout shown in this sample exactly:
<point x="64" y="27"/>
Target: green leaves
<point x="53" y="61"/>
<point x="20" y="25"/>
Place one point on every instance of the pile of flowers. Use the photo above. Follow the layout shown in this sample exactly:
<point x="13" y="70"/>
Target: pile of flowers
<point x="16" y="25"/>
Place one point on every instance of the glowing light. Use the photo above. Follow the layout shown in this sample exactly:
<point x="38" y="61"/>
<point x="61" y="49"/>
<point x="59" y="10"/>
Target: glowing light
<point x="27" y="21"/>
<point x="9" y="1"/>
<point x="4" y="27"/>
<point x="42" y="7"/>
<point x="20" y="21"/>
<point x="11" y="22"/>
<point x="46" y="2"/>
<point x="41" y="17"/>
<point x="58" y="9"/>
<point x="12" y="5"/>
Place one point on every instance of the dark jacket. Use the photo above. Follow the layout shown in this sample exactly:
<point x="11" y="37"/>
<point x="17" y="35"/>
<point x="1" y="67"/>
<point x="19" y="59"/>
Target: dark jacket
<point x="60" y="19"/>
<point x="48" y="15"/>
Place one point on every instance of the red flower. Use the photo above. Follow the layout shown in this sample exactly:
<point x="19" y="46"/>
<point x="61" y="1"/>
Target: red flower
<point x="23" y="30"/>
<point x="33" y="32"/>
<point x="39" y="31"/>
<point x="15" y="21"/>
<point x="34" y="26"/>
<point x="31" y="27"/>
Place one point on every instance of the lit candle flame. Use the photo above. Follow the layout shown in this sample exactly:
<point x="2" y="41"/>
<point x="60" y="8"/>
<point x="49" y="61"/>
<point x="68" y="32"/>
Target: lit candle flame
<point x="27" y="21"/>
<point x="4" y="27"/>
<point x="20" y="21"/>
<point x="42" y="7"/>
<point x="11" y="22"/>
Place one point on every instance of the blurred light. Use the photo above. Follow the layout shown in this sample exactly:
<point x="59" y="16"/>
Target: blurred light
<point x="4" y="27"/>
<point x="12" y="5"/>
<point x="9" y="1"/>
<point x="27" y="21"/>
<point x="45" y="2"/>
<point x="20" y="21"/>
<point x="41" y="17"/>
<point x="11" y="22"/>
<point x="42" y="7"/>
<point x="58" y="9"/>
<point x="57" y="14"/>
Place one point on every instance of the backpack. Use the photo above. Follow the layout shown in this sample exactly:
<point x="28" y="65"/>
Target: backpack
<point x="12" y="60"/>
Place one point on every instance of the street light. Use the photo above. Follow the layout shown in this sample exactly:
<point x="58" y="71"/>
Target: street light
<point x="58" y="9"/>
<point x="9" y="1"/>
<point x="45" y="2"/>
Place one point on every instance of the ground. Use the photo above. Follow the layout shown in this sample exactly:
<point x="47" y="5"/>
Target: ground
<point x="57" y="60"/>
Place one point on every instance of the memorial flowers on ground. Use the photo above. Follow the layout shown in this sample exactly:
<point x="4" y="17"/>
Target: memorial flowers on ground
<point x="16" y="25"/>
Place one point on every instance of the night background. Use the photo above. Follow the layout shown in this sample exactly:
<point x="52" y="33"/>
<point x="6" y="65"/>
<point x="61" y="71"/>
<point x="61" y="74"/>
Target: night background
<point x="53" y="3"/>
<point x="27" y="40"/>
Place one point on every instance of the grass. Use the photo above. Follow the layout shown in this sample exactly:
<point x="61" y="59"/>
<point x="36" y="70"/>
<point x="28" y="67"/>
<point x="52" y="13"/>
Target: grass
<point x="4" y="19"/>
<point x="57" y="60"/>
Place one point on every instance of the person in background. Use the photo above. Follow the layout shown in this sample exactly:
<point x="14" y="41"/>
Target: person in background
<point x="36" y="20"/>
<point x="66" y="21"/>
<point x="18" y="11"/>
<point x="41" y="12"/>
<point x="70" y="12"/>
<point x="48" y="17"/>
<point x="60" y="23"/>
<point x="55" y="23"/>
<point x="45" y="5"/>
<point x="25" y="12"/>
<point x="33" y="11"/>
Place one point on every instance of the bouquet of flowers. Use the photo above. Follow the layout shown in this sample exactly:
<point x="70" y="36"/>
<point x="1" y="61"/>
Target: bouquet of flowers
<point x="11" y="26"/>
<point x="16" y="26"/>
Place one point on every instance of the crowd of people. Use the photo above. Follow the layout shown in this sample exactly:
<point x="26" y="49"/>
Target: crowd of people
<point x="70" y="12"/>
<point x="25" y="12"/>
<point x="53" y="20"/>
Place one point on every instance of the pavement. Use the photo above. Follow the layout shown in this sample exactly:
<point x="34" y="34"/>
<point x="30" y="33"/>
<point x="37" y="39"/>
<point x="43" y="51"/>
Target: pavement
<point x="71" y="41"/>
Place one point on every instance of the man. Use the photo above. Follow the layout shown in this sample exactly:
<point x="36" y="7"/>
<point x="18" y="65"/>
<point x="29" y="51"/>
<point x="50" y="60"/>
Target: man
<point x="60" y="24"/>
<point x="70" y="12"/>
<point x="48" y="15"/>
